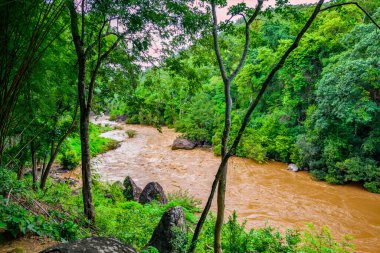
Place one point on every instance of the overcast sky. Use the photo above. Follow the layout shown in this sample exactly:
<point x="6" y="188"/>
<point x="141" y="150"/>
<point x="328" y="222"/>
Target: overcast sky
<point x="222" y="13"/>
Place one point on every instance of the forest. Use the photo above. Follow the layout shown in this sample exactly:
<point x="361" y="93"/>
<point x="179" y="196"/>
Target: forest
<point x="271" y="82"/>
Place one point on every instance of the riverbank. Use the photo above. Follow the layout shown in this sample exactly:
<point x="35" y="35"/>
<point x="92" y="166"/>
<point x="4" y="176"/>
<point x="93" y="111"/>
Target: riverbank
<point x="260" y="193"/>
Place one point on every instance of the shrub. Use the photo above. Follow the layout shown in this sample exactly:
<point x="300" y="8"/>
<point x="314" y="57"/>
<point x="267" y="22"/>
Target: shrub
<point x="70" y="160"/>
<point x="131" y="133"/>
<point x="372" y="187"/>
<point x="315" y="241"/>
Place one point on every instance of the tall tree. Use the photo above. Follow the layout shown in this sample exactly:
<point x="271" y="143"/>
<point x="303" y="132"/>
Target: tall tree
<point x="227" y="79"/>
<point x="26" y="28"/>
<point x="228" y="152"/>
<point x="98" y="28"/>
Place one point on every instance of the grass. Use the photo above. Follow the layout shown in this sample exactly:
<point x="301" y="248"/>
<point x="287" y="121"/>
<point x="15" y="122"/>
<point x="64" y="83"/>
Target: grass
<point x="71" y="149"/>
<point x="131" y="133"/>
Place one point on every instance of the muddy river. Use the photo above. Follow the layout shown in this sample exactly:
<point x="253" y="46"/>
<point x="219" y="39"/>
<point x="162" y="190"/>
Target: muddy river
<point x="260" y="193"/>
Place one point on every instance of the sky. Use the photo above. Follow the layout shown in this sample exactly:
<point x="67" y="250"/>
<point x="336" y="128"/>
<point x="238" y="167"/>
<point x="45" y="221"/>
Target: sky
<point x="222" y="13"/>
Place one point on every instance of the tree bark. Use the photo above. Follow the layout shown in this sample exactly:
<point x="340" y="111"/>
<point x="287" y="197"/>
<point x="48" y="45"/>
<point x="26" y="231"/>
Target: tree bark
<point x="43" y="166"/>
<point x="34" y="164"/>
<point x="86" y="168"/>
<point x="88" y="205"/>
<point x="227" y="117"/>
<point x="20" y="171"/>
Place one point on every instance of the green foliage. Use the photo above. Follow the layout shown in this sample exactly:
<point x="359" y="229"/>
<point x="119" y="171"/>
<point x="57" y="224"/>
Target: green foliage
<point x="134" y="223"/>
<point x="257" y="240"/>
<point x="199" y="118"/>
<point x="322" y="241"/>
<point x="70" y="160"/>
<point x="71" y="151"/>
<point x="341" y="142"/>
<point x="321" y="111"/>
<point x="236" y="239"/>
<point x="17" y="217"/>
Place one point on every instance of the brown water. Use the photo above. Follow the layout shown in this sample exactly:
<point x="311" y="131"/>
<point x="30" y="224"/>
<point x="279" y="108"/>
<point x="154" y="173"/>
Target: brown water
<point x="260" y="193"/>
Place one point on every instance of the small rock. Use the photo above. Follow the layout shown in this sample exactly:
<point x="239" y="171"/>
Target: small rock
<point x="131" y="191"/>
<point x="75" y="192"/>
<point x="108" y="196"/>
<point x="170" y="231"/>
<point x="153" y="191"/>
<point x="181" y="143"/>
<point x="293" y="167"/>
<point x="92" y="244"/>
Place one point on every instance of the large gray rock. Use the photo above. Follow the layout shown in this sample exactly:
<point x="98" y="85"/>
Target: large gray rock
<point x="181" y="143"/>
<point x="170" y="231"/>
<point x="153" y="191"/>
<point x="131" y="191"/>
<point x="92" y="245"/>
<point x="293" y="167"/>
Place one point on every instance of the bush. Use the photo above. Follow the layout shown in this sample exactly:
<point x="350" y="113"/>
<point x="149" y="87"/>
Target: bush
<point x="131" y="133"/>
<point x="315" y="241"/>
<point x="70" y="160"/>
<point x="17" y="218"/>
<point x="372" y="187"/>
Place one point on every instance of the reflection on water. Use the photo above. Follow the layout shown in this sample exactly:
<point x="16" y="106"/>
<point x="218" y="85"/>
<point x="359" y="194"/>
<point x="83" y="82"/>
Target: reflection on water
<point x="260" y="193"/>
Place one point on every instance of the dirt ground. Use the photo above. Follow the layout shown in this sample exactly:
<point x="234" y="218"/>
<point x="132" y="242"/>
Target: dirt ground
<point x="32" y="244"/>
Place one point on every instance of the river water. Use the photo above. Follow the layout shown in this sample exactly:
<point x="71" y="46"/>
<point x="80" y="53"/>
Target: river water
<point x="260" y="193"/>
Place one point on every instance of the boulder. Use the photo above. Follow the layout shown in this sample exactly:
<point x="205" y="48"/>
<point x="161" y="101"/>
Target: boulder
<point x="170" y="231"/>
<point x="181" y="143"/>
<point x="153" y="191"/>
<point x="92" y="244"/>
<point x="293" y="167"/>
<point x="131" y="191"/>
<point x="121" y="118"/>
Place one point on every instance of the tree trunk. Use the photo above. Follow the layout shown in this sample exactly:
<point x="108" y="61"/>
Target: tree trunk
<point x="221" y="197"/>
<point x="46" y="171"/>
<point x="34" y="164"/>
<point x="43" y="166"/>
<point x="20" y="171"/>
<point x="86" y="168"/>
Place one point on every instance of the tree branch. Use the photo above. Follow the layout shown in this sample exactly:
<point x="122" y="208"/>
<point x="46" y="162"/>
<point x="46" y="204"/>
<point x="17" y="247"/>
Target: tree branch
<point x="216" y="43"/>
<point x="247" y="39"/>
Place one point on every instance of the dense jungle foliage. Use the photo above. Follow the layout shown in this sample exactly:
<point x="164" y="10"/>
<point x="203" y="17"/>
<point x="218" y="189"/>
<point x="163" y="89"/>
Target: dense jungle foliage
<point x="321" y="111"/>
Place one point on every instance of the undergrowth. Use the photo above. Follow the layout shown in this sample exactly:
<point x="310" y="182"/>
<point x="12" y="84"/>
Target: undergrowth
<point x="133" y="223"/>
